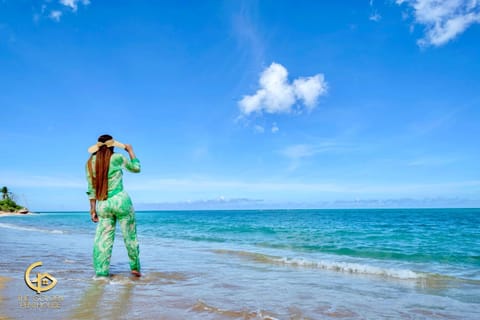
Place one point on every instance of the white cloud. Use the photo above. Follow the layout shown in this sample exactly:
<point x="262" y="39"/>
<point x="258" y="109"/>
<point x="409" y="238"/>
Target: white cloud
<point x="309" y="89"/>
<point x="70" y="3"/>
<point x="443" y="20"/>
<point x="73" y="4"/>
<point x="375" y="16"/>
<point x="55" y="15"/>
<point x="277" y="95"/>
<point x="55" y="10"/>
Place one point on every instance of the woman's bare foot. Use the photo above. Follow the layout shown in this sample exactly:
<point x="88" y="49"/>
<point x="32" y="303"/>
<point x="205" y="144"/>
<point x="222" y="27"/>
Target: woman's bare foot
<point x="136" y="273"/>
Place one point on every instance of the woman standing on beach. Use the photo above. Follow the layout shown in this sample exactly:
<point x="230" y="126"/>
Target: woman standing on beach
<point x="109" y="202"/>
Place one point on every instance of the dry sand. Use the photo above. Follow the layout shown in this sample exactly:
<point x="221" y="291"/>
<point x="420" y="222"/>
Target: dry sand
<point x="6" y="214"/>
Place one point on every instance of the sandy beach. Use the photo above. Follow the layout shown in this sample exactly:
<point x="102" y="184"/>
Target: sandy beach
<point x="7" y="214"/>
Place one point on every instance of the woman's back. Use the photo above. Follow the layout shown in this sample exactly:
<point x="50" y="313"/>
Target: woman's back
<point x="115" y="173"/>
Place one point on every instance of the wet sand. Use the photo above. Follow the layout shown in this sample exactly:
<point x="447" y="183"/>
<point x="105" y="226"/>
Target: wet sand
<point x="3" y="281"/>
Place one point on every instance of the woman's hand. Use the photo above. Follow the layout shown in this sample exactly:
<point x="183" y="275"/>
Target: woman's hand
<point x="129" y="149"/>
<point x="93" y="210"/>
<point x="93" y="216"/>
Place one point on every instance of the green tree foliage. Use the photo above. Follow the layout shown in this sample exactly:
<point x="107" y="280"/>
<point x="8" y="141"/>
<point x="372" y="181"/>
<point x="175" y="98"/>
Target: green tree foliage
<point x="7" y="203"/>
<point x="5" y="193"/>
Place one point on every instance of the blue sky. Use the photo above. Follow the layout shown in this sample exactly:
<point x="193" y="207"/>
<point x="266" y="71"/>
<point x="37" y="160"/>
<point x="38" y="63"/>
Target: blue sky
<point x="244" y="103"/>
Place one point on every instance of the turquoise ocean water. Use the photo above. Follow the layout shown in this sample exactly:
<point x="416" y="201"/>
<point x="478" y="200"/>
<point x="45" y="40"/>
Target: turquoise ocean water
<point x="258" y="264"/>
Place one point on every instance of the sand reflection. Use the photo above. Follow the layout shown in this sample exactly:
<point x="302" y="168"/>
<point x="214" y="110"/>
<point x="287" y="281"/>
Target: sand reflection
<point x="97" y="304"/>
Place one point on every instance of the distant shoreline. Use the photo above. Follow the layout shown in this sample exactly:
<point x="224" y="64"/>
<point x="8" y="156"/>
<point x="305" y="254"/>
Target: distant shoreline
<point x="253" y="209"/>
<point x="7" y="213"/>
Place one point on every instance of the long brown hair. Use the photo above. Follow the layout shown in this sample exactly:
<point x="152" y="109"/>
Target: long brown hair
<point x="102" y="164"/>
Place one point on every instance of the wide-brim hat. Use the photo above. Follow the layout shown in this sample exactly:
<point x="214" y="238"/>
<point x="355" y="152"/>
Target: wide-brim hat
<point x="108" y="143"/>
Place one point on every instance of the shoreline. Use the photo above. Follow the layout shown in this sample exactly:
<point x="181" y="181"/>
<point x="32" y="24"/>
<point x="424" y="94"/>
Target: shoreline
<point x="15" y="213"/>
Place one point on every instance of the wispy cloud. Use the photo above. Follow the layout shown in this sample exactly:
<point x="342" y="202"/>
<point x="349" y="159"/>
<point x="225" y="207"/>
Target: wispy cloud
<point x="428" y="202"/>
<point x="408" y="202"/>
<point x="295" y="189"/>
<point x="55" y="15"/>
<point x="297" y="152"/>
<point x="219" y="185"/>
<point x="258" y="129"/>
<point x="186" y="187"/>
<point x="443" y="20"/>
<point x="207" y="204"/>
<point x="55" y="10"/>
<point x="73" y="4"/>
<point x="247" y="32"/>
<point x="431" y="161"/>
<point x="375" y="17"/>
<point x="70" y="3"/>
<point x="275" y="128"/>
<point x="434" y="123"/>
<point x="278" y="95"/>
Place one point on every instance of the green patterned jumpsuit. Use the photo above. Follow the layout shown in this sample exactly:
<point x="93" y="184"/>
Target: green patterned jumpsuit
<point x="118" y="206"/>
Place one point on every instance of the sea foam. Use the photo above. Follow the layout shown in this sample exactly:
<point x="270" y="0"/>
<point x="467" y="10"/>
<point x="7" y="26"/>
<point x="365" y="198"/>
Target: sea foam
<point x="16" y="227"/>
<point x="345" y="267"/>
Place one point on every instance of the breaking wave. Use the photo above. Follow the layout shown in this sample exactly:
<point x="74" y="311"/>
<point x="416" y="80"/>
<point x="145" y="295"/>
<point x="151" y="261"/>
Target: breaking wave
<point x="345" y="267"/>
